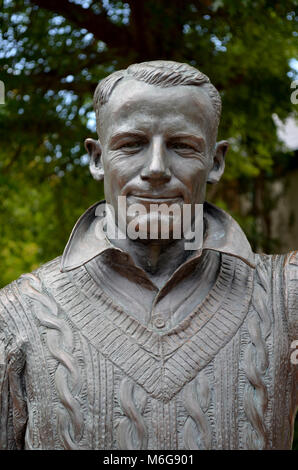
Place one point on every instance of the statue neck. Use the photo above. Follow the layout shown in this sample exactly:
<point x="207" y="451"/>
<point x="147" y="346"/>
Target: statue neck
<point x="158" y="259"/>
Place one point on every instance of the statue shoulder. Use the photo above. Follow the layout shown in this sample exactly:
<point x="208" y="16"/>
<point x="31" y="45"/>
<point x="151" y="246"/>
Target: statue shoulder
<point x="15" y="310"/>
<point x="292" y="259"/>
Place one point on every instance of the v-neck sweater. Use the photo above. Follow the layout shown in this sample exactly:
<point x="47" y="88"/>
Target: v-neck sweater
<point x="77" y="371"/>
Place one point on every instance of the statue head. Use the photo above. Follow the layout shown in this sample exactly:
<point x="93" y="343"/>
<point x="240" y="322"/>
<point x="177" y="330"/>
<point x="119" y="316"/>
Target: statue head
<point x="157" y="126"/>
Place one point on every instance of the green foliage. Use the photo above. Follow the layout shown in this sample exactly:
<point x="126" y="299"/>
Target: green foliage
<point x="37" y="217"/>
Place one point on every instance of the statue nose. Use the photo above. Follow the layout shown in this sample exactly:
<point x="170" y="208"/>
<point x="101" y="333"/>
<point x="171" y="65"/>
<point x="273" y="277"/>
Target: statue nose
<point x="156" y="174"/>
<point x="157" y="168"/>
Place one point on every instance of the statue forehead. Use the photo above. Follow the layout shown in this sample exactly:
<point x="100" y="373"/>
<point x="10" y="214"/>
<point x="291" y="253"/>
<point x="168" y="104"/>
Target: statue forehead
<point x="133" y="99"/>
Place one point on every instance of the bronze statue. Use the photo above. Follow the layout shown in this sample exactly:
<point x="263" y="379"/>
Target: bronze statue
<point x="139" y="343"/>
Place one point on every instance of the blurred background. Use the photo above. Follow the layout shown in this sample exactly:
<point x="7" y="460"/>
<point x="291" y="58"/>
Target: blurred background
<point x="54" y="52"/>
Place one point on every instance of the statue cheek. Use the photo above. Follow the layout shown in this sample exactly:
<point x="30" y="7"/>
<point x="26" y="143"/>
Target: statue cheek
<point x="196" y="178"/>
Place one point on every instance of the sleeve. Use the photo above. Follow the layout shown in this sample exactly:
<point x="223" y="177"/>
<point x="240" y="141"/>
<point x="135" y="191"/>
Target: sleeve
<point x="291" y="287"/>
<point x="13" y="412"/>
<point x="291" y="297"/>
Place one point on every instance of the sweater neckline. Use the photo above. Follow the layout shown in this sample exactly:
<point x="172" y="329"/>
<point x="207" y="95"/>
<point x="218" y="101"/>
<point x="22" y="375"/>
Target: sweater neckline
<point x="162" y="363"/>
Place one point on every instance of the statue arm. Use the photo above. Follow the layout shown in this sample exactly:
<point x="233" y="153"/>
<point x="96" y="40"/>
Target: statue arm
<point x="291" y="297"/>
<point x="291" y="293"/>
<point x="13" y="410"/>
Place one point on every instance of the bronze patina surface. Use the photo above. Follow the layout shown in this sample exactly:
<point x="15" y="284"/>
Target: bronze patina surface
<point x="126" y="343"/>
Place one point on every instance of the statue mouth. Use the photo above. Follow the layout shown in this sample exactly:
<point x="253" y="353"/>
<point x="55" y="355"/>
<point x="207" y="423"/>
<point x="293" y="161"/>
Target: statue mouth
<point x="154" y="199"/>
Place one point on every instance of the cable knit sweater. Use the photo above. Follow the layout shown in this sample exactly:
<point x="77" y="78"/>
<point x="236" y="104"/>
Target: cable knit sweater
<point x="93" y="355"/>
<point x="77" y="371"/>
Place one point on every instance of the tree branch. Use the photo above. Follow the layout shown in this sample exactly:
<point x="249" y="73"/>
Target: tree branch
<point x="103" y="29"/>
<point x="204" y="7"/>
<point x="14" y="158"/>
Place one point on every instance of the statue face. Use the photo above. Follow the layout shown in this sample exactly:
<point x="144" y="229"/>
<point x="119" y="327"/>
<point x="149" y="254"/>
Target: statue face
<point x="157" y="144"/>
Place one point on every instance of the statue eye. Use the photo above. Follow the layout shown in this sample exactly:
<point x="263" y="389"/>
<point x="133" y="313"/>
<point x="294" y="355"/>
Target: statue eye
<point x="180" y="146"/>
<point x="132" y="145"/>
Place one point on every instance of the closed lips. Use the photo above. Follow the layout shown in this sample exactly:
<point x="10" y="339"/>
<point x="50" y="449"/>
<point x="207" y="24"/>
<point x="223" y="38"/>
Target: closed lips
<point x="156" y="198"/>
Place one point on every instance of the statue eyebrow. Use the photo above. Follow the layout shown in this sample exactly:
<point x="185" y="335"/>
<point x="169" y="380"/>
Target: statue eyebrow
<point x="186" y="136"/>
<point x="123" y="134"/>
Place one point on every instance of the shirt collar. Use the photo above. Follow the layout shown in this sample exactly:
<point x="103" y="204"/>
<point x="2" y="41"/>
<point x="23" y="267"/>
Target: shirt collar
<point x="222" y="233"/>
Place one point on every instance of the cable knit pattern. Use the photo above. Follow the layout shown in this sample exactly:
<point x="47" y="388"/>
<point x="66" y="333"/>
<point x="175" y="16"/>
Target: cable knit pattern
<point x="77" y="371"/>
<point x="197" y="430"/>
<point x="108" y="328"/>
<point x="67" y="375"/>
<point x="256" y="363"/>
<point x="132" y="433"/>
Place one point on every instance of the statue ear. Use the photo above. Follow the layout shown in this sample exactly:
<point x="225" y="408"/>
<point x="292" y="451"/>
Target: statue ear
<point x="93" y="148"/>
<point x="218" y="162"/>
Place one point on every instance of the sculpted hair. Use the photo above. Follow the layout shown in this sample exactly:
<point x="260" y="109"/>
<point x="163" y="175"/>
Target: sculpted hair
<point x="160" y="73"/>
